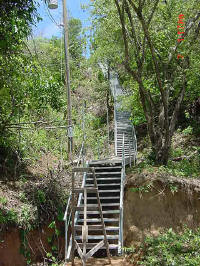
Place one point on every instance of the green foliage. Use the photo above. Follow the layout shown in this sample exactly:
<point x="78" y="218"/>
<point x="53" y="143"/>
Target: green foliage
<point x="53" y="240"/>
<point x="16" y="16"/>
<point x="3" y="200"/>
<point x="172" y="248"/>
<point x="185" y="168"/>
<point x="142" y="189"/>
<point x="41" y="196"/>
<point x="133" y="57"/>
<point x="24" y="248"/>
<point x="8" y="217"/>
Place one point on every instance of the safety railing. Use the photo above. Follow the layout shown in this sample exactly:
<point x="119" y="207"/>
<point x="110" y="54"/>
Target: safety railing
<point x="134" y="140"/>
<point x="123" y="176"/>
<point x="67" y="215"/>
<point x="68" y="247"/>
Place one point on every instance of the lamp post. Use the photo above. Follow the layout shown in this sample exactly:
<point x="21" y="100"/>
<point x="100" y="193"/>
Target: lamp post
<point x="53" y="4"/>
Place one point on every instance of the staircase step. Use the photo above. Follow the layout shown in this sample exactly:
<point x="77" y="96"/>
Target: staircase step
<point x="109" y="191"/>
<point x="97" y="228"/>
<point x="104" y="198"/>
<point x="105" y="185"/>
<point x="104" y="212"/>
<point x="89" y="208"/>
<point x="98" y="220"/>
<point x="105" y="173"/>
<point x="89" y="190"/>
<point x="103" y="205"/>
<point x="104" y="178"/>
<point x="91" y="245"/>
<point x="107" y="168"/>
<point x="99" y="237"/>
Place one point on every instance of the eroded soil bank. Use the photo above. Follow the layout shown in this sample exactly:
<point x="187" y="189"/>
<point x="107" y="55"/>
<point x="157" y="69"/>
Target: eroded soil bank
<point x="38" y="242"/>
<point x="153" y="204"/>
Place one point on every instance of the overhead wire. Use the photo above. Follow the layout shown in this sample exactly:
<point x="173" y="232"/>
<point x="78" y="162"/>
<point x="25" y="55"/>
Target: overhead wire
<point x="50" y="16"/>
<point x="61" y="54"/>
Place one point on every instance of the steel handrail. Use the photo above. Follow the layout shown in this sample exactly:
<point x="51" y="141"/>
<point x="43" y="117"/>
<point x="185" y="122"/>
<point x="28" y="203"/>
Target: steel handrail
<point x="66" y="216"/>
<point x="134" y="139"/>
<point x="121" y="241"/>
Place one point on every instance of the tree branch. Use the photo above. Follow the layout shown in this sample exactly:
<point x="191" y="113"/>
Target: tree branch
<point x="177" y="107"/>
<point x="121" y="15"/>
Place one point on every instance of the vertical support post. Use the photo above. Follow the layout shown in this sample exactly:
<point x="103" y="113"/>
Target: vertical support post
<point x="129" y="153"/>
<point x="120" y="246"/>
<point x="73" y="213"/>
<point x="85" y="230"/>
<point x="66" y="239"/>
<point x="120" y="249"/>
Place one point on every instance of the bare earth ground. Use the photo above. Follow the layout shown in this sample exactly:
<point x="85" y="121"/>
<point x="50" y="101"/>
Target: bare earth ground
<point x="115" y="261"/>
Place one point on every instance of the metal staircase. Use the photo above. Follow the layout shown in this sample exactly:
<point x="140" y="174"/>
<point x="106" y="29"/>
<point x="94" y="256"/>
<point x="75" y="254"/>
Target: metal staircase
<point x="110" y="177"/>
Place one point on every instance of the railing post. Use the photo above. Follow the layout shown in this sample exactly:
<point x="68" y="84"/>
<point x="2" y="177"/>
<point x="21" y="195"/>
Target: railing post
<point x="66" y="239"/>
<point x="129" y="153"/>
<point x="121" y="243"/>
<point x="120" y="246"/>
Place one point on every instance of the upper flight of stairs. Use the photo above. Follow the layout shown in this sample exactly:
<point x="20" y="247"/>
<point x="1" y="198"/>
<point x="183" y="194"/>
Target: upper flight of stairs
<point x="123" y="125"/>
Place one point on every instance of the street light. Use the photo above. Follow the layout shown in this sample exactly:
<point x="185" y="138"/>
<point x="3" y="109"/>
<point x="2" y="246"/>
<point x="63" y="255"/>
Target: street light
<point x="53" y="4"/>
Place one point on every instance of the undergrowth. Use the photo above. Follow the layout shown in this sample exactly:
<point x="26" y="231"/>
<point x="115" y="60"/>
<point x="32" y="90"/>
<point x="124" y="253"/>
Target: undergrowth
<point x="184" y="158"/>
<point x="169" y="248"/>
<point x="33" y="202"/>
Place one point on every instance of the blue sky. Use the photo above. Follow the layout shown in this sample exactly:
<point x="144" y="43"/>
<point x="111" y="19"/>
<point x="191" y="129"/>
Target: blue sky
<point x="47" y="28"/>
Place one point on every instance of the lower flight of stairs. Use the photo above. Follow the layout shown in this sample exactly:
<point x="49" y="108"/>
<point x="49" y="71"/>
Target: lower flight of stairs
<point x="108" y="175"/>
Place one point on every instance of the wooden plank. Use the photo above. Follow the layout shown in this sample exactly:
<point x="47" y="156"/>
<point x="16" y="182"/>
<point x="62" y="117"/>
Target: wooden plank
<point x="94" y="249"/>
<point x="90" y="227"/>
<point x="100" y="237"/>
<point x="91" y="245"/>
<point x="78" y="249"/>
<point x="98" y="220"/>
<point x="97" y="227"/>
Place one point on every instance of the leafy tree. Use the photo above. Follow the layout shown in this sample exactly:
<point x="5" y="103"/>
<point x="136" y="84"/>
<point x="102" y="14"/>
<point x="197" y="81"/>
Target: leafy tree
<point x="76" y="41"/>
<point x="142" y="41"/>
<point x="16" y="16"/>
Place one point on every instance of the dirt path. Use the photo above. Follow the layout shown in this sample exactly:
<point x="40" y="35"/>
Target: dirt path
<point x="115" y="261"/>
